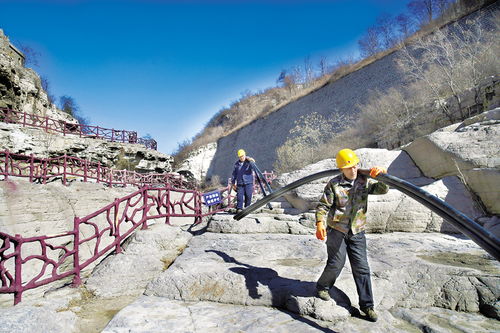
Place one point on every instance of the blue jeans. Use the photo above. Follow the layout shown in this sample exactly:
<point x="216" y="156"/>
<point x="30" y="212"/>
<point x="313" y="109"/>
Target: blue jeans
<point x="338" y="244"/>
<point x="244" y="194"/>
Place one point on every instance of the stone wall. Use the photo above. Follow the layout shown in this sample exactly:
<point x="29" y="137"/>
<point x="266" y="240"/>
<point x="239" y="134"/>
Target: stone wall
<point x="262" y="137"/>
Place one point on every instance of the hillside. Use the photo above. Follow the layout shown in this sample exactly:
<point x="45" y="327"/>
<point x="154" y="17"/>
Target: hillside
<point x="351" y="94"/>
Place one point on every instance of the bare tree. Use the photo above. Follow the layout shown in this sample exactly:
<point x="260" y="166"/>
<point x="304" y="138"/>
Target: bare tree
<point x="385" y="27"/>
<point x="404" y="26"/>
<point x="453" y="60"/>
<point x="30" y="55"/>
<point x="422" y="10"/>
<point x="323" y="66"/>
<point x="369" y="44"/>
<point x="68" y="105"/>
<point x="425" y="11"/>
<point x="46" y="86"/>
<point x="308" y="70"/>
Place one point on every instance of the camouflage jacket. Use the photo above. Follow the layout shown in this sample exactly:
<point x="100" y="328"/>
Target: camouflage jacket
<point x="344" y="203"/>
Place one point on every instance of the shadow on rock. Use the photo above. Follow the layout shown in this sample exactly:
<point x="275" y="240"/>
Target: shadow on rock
<point x="282" y="289"/>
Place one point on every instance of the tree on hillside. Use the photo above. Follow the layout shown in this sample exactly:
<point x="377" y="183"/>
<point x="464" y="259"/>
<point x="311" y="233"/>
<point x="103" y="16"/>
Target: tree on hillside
<point x="386" y="30"/>
<point x="404" y="26"/>
<point x="369" y="44"/>
<point x="323" y="66"/>
<point x="424" y="11"/>
<point x="68" y="105"/>
<point x="30" y="55"/>
<point x="46" y="87"/>
<point x="453" y="60"/>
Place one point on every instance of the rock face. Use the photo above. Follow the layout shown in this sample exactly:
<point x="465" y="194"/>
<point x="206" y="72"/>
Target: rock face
<point x="21" y="87"/>
<point x="469" y="150"/>
<point x="26" y="141"/>
<point x="198" y="161"/>
<point x="263" y="136"/>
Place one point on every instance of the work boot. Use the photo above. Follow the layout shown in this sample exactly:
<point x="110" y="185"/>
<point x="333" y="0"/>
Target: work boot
<point x="239" y="210"/>
<point x="371" y="315"/>
<point x="324" y="294"/>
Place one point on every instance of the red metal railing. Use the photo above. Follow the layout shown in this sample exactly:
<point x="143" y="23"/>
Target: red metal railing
<point x="31" y="262"/>
<point x="59" y="126"/>
<point x="66" y="167"/>
<point x="55" y="257"/>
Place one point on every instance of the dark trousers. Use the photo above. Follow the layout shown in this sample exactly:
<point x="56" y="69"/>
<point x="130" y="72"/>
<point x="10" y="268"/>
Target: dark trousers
<point x="244" y="194"/>
<point x="338" y="244"/>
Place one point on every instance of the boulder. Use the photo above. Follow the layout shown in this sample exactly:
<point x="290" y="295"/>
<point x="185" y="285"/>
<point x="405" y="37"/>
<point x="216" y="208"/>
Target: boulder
<point x="468" y="150"/>
<point x="145" y="254"/>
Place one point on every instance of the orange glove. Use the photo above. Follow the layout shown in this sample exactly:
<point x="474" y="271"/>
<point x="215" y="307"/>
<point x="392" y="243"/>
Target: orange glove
<point x="320" y="231"/>
<point x="375" y="171"/>
<point x="235" y="187"/>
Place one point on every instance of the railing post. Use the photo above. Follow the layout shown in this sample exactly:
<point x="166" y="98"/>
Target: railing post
<point x="76" y="255"/>
<point x="44" y="172"/>
<point x="85" y="167"/>
<point x="24" y="119"/>
<point x="64" y="170"/>
<point x="64" y="128"/>
<point x="112" y="135"/>
<point x="118" y="248"/>
<point x="98" y="171"/>
<point x="198" y="207"/>
<point x="46" y="124"/>
<point x="6" y="170"/>
<point x="110" y="177"/>
<point x="32" y="158"/>
<point x="18" y="276"/>
<point x="145" y="207"/>
<point x="167" y="218"/>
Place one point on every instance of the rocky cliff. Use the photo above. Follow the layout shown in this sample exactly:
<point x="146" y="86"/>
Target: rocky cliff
<point x="21" y="90"/>
<point x="21" y="87"/>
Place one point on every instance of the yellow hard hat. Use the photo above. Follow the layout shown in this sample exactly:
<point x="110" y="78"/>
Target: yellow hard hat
<point x="346" y="158"/>
<point x="241" y="152"/>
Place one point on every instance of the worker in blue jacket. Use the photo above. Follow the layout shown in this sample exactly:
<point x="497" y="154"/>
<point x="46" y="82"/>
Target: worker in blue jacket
<point x="242" y="180"/>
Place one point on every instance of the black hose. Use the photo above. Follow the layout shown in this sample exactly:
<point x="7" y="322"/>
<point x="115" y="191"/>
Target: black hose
<point x="283" y="190"/>
<point x="482" y="237"/>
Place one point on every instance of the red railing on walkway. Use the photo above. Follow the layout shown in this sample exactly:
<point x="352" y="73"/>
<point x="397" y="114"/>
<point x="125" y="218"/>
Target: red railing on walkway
<point x="55" y="257"/>
<point x="59" y="126"/>
<point x="66" y="167"/>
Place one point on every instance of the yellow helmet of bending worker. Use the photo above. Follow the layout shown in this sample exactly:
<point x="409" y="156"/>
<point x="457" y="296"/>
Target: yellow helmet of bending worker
<point x="346" y="158"/>
<point x="241" y="152"/>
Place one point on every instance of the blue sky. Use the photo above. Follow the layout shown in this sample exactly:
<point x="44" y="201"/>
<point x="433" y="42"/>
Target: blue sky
<point x="164" y="68"/>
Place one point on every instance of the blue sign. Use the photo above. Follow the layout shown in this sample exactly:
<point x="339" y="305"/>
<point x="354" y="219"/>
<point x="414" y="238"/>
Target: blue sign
<point x="212" y="198"/>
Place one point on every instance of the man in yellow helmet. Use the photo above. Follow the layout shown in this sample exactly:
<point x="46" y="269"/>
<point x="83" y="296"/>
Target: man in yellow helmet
<point x="242" y="180"/>
<point x="341" y="219"/>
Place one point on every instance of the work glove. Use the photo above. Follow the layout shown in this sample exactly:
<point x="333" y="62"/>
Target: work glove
<point x="249" y="159"/>
<point x="235" y="187"/>
<point x="320" y="231"/>
<point x="375" y="171"/>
